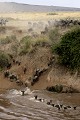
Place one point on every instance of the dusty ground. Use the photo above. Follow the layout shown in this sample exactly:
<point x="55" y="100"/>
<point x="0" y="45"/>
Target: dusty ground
<point x="36" y="21"/>
<point x="54" y="75"/>
<point x="19" y="24"/>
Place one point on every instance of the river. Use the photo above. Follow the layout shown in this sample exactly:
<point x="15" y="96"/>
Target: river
<point x="14" y="106"/>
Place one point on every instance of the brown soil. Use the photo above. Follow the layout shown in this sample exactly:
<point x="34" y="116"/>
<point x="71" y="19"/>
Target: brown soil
<point x="5" y="84"/>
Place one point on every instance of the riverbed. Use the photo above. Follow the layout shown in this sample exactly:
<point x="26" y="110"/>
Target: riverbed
<point x="14" y="106"/>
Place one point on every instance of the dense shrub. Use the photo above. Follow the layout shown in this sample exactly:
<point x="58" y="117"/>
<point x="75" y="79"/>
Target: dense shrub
<point x="25" y="39"/>
<point x="4" y="60"/>
<point x="69" y="49"/>
<point x="52" y="13"/>
<point x="41" y="41"/>
<point x="54" y="36"/>
<point x="26" y="43"/>
<point x="13" y="38"/>
<point x="14" y="48"/>
<point x="62" y="89"/>
<point x="8" y="39"/>
<point x="56" y="88"/>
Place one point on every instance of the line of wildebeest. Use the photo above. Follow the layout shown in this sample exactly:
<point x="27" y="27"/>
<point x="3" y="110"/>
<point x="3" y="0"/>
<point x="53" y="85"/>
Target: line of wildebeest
<point x="50" y="23"/>
<point x="58" y="105"/>
<point x="67" y="22"/>
<point x="12" y="76"/>
<point x="61" y="23"/>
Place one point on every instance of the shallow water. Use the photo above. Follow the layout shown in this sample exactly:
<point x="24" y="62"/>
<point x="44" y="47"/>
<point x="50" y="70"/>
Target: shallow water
<point x="14" y="106"/>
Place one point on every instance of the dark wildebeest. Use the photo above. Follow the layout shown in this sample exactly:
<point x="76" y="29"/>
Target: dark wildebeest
<point x="14" y="77"/>
<point x="22" y="92"/>
<point x="3" y="22"/>
<point x="19" y="82"/>
<point x="6" y="73"/>
<point x="18" y="62"/>
<point x="9" y="66"/>
<point x="43" y="32"/>
<point x="13" y="60"/>
<point x="24" y="70"/>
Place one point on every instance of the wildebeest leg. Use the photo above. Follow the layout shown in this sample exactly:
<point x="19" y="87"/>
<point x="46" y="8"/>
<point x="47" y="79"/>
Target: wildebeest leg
<point x="22" y="92"/>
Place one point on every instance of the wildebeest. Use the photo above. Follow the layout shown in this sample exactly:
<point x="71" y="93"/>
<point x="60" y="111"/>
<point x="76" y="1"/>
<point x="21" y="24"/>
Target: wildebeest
<point x="58" y="106"/>
<point x="9" y="66"/>
<point x="19" y="82"/>
<point x="27" y="83"/>
<point x="6" y="73"/>
<point x="43" y="32"/>
<point x="13" y="60"/>
<point x="36" y="75"/>
<point x="49" y="103"/>
<point x="18" y="62"/>
<point x="13" y="77"/>
<point x="30" y="30"/>
<point x="22" y="92"/>
<point x="3" y="22"/>
<point x="67" y="22"/>
<point x="35" y="97"/>
<point x="51" y="60"/>
<point x="24" y="70"/>
<point x="11" y="56"/>
<point x="36" y="72"/>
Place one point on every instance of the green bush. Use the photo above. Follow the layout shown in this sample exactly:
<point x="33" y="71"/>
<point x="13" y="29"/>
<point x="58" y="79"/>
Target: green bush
<point x="4" y="60"/>
<point x="26" y="41"/>
<point x="52" y="13"/>
<point x="13" y="38"/>
<point x="69" y="49"/>
<point x="41" y="41"/>
<point x="14" y="48"/>
<point x="8" y="39"/>
<point x="56" y="88"/>
<point x="54" y="36"/>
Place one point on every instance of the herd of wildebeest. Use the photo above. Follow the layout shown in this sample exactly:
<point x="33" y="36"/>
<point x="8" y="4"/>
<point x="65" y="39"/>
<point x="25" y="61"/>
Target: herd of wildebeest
<point x="63" y="23"/>
<point x="32" y="80"/>
<point x="38" y="72"/>
<point x="59" y="106"/>
<point x="67" y="22"/>
<point x="45" y="26"/>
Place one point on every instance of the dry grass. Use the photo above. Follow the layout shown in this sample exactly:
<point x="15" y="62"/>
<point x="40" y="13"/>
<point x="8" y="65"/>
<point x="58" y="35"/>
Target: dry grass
<point x="40" y="16"/>
<point x="21" y="20"/>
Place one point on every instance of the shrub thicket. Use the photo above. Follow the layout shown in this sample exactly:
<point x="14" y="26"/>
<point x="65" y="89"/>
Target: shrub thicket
<point x="56" y="88"/>
<point x="54" y="36"/>
<point x="69" y="49"/>
<point x="8" y="39"/>
<point x="41" y="41"/>
<point x="4" y="60"/>
<point x="26" y="43"/>
<point x="52" y="13"/>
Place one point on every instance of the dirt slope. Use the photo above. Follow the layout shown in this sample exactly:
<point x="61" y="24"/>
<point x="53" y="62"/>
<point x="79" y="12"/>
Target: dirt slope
<point x="40" y="59"/>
